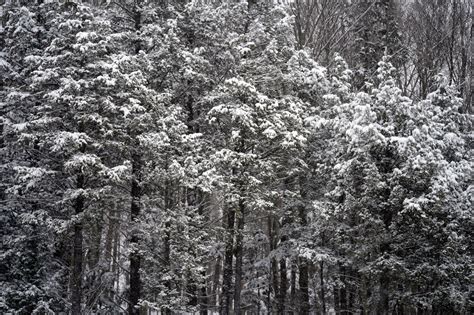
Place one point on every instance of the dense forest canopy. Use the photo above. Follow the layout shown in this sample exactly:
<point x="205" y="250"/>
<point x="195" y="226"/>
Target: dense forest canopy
<point x="236" y="157"/>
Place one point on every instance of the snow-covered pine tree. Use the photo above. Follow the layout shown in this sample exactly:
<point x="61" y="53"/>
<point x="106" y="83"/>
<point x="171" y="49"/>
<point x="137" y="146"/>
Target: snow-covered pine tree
<point x="31" y="270"/>
<point x="66" y="130"/>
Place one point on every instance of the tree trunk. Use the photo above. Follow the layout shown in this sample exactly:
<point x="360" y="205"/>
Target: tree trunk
<point x="115" y="260"/>
<point x="468" y="99"/>
<point x="109" y="255"/>
<point x="273" y="277"/>
<point x="343" y="291"/>
<point x="76" y="276"/>
<point x="215" y="284"/>
<point x="383" y="305"/>
<point x="136" y="194"/>
<point x="203" y="299"/>
<point x="337" y="305"/>
<point x="109" y="237"/>
<point x="135" y="259"/>
<point x="167" y="240"/>
<point x="228" y="258"/>
<point x="293" y="290"/>
<point x="238" y="258"/>
<point x="323" y="292"/>
<point x="303" y="263"/>
<point x="304" y="286"/>
<point x="283" y="287"/>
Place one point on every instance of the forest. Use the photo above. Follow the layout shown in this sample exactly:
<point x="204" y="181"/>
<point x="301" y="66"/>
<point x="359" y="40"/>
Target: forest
<point x="236" y="157"/>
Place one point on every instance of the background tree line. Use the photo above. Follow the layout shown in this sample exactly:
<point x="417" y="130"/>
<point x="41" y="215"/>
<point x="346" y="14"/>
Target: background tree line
<point x="244" y="157"/>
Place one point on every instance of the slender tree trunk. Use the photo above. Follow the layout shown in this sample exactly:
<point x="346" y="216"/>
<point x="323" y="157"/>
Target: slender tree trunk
<point x="383" y="306"/>
<point x="323" y="291"/>
<point x="468" y="97"/>
<point x="364" y="296"/>
<point x="204" y="299"/>
<point x="94" y="253"/>
<point x="76" y="276"/>
<point x="110" y="247"/>
<point x="167" y="240"/>
<point x="135" y="259"/>
<point x="136" y="194"/>
<point x="283" y="287"/>
<point x="281" y="298"/>
<point x="451" y="58"/>
<point x="293" y="290"/>
<point x="228" y="259"/>
<point x="109" y="238"/>
<point x="273" y="283"/>
<point x="238" y="258"/>
<point x="115" y="260"/>
<point x="303" y="263"/>
<point x="215" y="284"/>
<point x="258" y="295"/>
<point x="304" y="286"/>
<point x="350" y="297"/>
<point x="337" y="305"/>
<point x="343" y="291"/>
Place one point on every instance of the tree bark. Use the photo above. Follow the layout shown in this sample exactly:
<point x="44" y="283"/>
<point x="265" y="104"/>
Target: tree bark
<point x="323" y="292"/>
<point x="468" y="99"/>
<point x="337" y="305"/>
<point x="293" y="290"/>
<point x="283" y="287"/>
<point x="228" y="259"/>
<point x="215" y="284"/>
<point x="115" y="260"/>
<point x="273" y="277"/>
<point x="304" y="286"/>
<point x="135" y="259"/>
<point x="239" y="258"/>
<point x="343" y="292"/>
<point x="167" y="240"/>
<point x="109" y="237"/>
<point x="203" y="299"/>
<point x="383" y="305"/>
<point x="303" y="263"/>
<point x="76" y="276"/>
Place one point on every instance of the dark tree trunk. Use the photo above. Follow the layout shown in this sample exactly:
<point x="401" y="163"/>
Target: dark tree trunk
<point x="135" y="259"/>
<point x="283" y="287"/>
<point x="281" y="298"/>
<point x="203" y="299"/>
<point x="323" y="292"/>
<point x="303" y="263"/>
<point x="274" y="284"/>
<point x="167" y="241"/>
<point x="135" y="209"/>
<point x="343" y="292"/>
<point x="383" y="306"/>
<point x="337" y="305"/>
<point x="76" y="276"/>
<point x="468" y="92"/>
<point x="293" y="290"/>
<point x="273" y="277"/>
<point x="239" y="258"/>
<point x="350" y="298"/>
<point x="228" y="258"/>
<point x="304" y="286"/>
